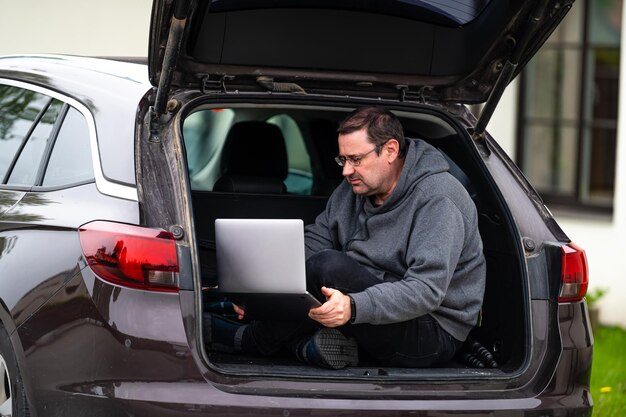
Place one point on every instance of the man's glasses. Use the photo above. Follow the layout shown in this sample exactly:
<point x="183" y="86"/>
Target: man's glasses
<point x="355" y="160"/>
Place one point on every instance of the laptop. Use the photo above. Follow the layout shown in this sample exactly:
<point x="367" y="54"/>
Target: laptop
<point x="261" y="267"/>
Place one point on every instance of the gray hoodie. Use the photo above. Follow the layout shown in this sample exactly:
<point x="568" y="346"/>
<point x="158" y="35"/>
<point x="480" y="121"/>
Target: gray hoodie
<point x="422" y="243"/>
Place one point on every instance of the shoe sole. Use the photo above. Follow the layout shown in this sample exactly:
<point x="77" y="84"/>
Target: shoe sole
<point x="337" y="350"/>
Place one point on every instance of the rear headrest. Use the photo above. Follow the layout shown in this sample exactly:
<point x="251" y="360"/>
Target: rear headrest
<point x="254" y="149"/>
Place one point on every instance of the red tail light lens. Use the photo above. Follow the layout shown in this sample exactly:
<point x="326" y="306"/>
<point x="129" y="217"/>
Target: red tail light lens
<point x="131" y="256"/>
<point x="574" y="274"/>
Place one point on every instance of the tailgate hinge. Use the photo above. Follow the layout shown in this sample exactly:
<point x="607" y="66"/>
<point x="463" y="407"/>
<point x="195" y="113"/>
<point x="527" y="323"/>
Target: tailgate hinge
<point x="421" y="95"/>
<point x="209" y="85"/>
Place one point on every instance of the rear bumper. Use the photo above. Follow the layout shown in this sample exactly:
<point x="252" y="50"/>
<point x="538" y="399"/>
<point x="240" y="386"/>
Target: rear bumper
<point x="196" y="399"/>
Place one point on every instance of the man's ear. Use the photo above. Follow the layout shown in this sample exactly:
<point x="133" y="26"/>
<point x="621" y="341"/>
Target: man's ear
<point x="392" y="149"/>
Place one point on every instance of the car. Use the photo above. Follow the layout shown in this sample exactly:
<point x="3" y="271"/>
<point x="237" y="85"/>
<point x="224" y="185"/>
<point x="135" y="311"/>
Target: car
<point x="113" y="172"/>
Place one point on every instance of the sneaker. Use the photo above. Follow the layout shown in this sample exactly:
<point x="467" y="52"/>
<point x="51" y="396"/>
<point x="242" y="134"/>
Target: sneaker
<point x="329" y="348"/>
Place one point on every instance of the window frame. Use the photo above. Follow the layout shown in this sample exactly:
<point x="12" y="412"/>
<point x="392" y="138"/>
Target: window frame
<point x="50" y="146"/>
<point x="102" y="183"/>
<point x="45" y="155"/>
<point x="4" y="180"/>
<point x="582" y="126"/>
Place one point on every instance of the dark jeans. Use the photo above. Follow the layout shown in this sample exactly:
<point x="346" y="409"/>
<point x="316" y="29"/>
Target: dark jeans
<point x="419" y="342"/>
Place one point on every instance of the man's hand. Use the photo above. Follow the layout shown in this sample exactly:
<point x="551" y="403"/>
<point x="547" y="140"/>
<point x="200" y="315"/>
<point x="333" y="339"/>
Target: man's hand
<point x="335" y="311"/>
<point x="240" y="311"/>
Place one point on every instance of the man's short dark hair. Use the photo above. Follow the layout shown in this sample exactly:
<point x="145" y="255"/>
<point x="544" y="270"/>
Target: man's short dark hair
<point x="380" y="124"/>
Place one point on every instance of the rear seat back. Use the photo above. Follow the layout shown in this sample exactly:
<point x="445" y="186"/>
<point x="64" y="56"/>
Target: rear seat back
<point x="254" y="159"/>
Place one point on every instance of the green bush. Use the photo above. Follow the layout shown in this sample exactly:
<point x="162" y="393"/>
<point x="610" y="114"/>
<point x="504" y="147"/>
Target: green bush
<point x="594" y="296"/>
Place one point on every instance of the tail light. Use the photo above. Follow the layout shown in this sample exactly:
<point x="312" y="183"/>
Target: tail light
<point x="574" y="274"/>
<point x="131" y="256"/>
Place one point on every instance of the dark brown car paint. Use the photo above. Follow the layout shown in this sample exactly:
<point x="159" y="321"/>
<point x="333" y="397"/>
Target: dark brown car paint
<point x="88" y="347"/>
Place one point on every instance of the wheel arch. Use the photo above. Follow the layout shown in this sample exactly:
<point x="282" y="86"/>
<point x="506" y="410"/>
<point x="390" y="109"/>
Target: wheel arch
<point x="6" y="321"/>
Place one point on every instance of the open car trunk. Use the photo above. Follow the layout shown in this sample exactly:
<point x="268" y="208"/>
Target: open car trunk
<point x="309" y="133"/>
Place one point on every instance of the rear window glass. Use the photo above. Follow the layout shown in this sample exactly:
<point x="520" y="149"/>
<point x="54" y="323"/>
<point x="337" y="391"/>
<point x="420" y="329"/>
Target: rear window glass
<point x="207" y="131"/>
<point x="438" y="11"/>
<point x="299" y="177"/>
<point x="26" y="167"/>
<point x="19" y="109"/>
<point x="70" y="161"/>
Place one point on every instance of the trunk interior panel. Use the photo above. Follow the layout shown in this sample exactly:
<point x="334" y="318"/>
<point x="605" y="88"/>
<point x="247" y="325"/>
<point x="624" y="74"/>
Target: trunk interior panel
<point x="310" y="141"/>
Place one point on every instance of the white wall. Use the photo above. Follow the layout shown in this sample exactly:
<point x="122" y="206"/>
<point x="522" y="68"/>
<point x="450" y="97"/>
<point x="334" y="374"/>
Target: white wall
<point x="103" y="28"/>
<point x="603" y="238"/>
<point x="600" y="236"/>
<point x="600" y="239"/>
<point x="503" y="122"/>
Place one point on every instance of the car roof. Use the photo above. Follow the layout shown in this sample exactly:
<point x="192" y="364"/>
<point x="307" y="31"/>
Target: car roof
<point x="58" y="72"/>
<point x="110" y="88"/>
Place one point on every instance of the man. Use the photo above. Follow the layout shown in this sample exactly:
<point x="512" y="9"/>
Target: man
<point x="396" y="256"/>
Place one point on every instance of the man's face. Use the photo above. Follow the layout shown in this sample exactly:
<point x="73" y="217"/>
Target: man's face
<point x="374" y="175"/>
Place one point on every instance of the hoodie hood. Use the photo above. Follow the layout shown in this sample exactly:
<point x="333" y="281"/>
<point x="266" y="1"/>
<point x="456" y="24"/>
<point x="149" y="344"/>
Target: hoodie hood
<point x="421" y="161"/>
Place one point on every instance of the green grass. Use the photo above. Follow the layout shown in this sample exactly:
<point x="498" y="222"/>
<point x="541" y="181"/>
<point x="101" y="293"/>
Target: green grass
<point x="608" y="375"/>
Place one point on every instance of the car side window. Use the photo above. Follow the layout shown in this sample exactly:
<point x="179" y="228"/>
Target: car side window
<point x="70" y="161"/>
<point x="19" y="109"/>
<point x="26" y="167"/>
<point x="205" y="134"/>
<point x="300" y="178"/>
